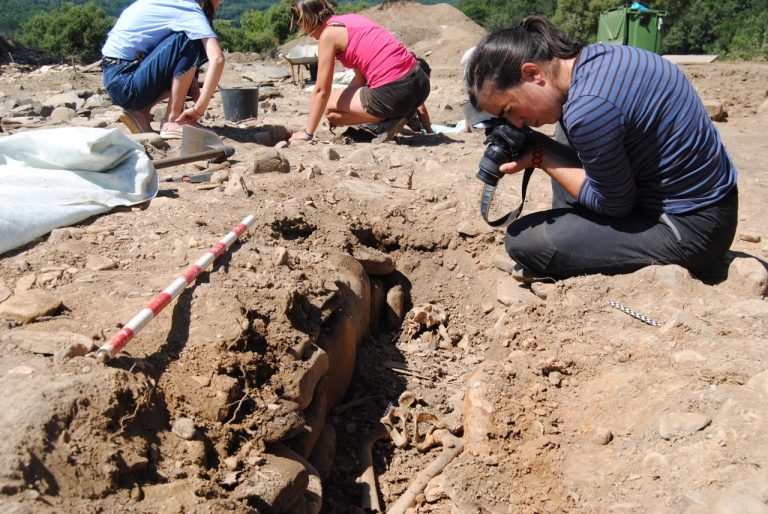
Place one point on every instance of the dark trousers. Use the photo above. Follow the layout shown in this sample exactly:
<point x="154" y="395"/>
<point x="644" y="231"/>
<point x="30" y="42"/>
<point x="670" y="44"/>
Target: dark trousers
<point x="572" y="240"/>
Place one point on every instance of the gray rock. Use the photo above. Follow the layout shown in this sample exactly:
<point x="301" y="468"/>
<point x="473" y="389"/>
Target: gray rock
<point x="375" y="262"/>
<point x="504" y="263"/>
<point x="26" y="282"/>
<point x="151" y="138"/>
<point x="469" y="229"/>
<point x="749" y="275"/>
<point x="16" y="508"/>
<point x="94" y="101"/>
<point x="5" y="293"/>
<point x="739" y="504"/>
<point x="184" y="428"/>
<point x="671" y="275"/>
<point x="27" y="306"/>
<point x="681" y="424"/>
<point x="715" y="109"/>
<point x="687" y="356"/>
<point x="275" y="486"/>
<point x="63" y="114"/>
<point x="759" y="382"/>
<point x="59" y="234"/>
<point x="362" y="156"/>
<point x="542" y="289"/>
<point x="395" y="310"/>
<point x="602" y="436"/>
<point x="268" y="160"/>
<point x="445" y="205"/>
<point x="314" y="170"/>
<point x="70" y="100"/>
<point x="330" y="154"/>
<point x="510" y="292"/>
<point x="686" y="320"/>
<point x="236" y="185"/>
<point x="45" y="343"/>
<point x="100" y="263"/>
<point x="77" y="349"/>
<point x="281" y="256"/>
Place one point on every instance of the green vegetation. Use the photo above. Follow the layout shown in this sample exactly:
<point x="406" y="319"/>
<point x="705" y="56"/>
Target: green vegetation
<point x="496" y="14"/>
<point x="76" y="30"/>
<point x="80" y="30"/>
<point x="258" y="31"/>
<point x="736" y="29"/>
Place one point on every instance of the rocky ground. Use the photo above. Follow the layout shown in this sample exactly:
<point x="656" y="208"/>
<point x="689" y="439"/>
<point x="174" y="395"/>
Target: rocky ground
<point x="368" y="288"/>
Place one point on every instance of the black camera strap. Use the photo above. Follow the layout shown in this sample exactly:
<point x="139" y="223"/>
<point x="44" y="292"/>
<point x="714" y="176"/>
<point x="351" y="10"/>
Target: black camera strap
<point x="487" y="197"/>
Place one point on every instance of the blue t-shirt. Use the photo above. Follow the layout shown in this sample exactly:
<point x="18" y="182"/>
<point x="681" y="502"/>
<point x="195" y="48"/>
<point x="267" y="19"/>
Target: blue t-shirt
<point x="642" y="134"/>
<point x="144" y="23"/>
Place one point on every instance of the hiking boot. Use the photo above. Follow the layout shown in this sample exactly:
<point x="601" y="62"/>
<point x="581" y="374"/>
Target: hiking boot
<point x="525" y="276"/>
<point x="389" y="128"/>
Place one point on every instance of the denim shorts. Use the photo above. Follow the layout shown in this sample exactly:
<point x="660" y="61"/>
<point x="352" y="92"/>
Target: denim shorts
<point x="398" y="98"/>
<point x="137" y="84"/>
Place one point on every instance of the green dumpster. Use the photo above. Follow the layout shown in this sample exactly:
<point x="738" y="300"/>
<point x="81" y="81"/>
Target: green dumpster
<point x="641" y="28"/>
<point x="612" y="27"/>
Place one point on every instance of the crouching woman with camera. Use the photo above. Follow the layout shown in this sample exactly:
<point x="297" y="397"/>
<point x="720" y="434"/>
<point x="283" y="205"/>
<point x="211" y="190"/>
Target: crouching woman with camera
<point x="648" y="181"/>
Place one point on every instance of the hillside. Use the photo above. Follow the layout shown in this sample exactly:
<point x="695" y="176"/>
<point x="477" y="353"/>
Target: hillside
<point x="16" y="12"/>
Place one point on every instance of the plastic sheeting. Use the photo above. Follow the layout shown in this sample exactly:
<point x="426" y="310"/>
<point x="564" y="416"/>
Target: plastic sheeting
<point x="57" y="177"/>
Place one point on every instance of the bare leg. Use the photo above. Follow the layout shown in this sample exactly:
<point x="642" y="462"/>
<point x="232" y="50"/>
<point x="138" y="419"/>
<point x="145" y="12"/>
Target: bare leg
<point x="344" y="108"/>
<point x="178" y="95"/>
<point x="346" y="118"/>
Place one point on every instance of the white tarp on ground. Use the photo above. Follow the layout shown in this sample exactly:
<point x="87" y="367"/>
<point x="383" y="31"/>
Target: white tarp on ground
<point x="57" y="177"/>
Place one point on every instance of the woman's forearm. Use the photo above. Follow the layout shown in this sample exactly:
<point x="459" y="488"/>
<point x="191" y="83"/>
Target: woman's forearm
<point x="317" y="102"/>
<point x="212" y="76"/>
<point x="562" y="165"/>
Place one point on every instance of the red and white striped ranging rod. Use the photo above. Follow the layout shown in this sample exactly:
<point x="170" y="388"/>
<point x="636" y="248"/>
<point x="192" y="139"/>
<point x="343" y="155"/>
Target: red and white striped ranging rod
<point x="119" y="340"/>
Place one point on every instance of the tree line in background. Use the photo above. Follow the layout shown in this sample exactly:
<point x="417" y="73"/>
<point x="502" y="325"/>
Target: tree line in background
<point x="733" y="29"/>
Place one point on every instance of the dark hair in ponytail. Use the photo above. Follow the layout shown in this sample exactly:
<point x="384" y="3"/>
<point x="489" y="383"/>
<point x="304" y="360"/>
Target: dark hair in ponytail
<point x="208" y="10"/>
<point x="497" y="59"/>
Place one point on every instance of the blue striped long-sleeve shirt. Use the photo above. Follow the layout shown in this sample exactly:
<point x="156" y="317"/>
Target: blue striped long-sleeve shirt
<point x="643" y="135"/>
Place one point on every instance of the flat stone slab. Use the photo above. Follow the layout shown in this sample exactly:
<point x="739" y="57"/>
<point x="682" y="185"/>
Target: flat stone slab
<point x="680" y="424"/>
<point x="27" y="306"/>
<point x="691" y="59"/>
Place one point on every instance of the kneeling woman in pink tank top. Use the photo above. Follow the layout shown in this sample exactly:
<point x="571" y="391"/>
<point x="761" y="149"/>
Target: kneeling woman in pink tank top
<point x="388" y="82"/>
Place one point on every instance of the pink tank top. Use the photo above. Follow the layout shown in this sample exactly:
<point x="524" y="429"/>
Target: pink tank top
<point x="372" y="50"/>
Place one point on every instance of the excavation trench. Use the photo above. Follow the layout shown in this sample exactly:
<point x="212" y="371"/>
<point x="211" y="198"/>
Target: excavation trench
<point x="262" y="388"/>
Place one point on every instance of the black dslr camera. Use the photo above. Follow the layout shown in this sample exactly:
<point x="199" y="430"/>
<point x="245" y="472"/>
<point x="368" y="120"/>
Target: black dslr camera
<point x="505" y="143"/>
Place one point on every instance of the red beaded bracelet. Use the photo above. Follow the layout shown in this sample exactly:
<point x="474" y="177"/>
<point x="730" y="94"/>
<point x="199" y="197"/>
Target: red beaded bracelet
<point x="538" y="155"/>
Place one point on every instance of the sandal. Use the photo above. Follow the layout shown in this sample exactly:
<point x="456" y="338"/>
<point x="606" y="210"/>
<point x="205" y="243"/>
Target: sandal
<point x="133" y="124"/>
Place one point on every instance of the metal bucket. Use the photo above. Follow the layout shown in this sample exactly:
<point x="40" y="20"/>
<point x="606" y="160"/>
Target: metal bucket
<point x="240" y="103"/>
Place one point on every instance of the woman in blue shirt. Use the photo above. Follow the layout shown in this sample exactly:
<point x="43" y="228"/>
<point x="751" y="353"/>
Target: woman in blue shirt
<point x="154" y="52"/>
<point x="646" y="179"/>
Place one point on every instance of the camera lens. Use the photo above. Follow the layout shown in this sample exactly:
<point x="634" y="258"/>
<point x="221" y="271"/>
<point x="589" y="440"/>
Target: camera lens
<point x="493" y="157"/>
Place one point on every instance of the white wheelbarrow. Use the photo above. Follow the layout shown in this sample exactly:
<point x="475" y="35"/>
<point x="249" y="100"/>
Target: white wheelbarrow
<point x="301" y="57"/>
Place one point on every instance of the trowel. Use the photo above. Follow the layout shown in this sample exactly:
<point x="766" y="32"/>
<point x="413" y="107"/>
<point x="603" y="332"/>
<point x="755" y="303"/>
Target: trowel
<point x="197" y="145"/>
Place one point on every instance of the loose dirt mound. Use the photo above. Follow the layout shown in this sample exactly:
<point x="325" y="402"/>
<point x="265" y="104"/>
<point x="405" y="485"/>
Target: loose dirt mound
<point x="369" y="286"/>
